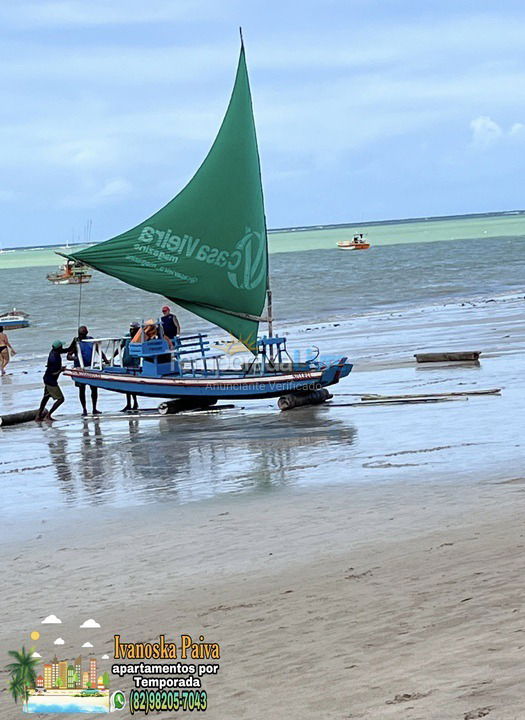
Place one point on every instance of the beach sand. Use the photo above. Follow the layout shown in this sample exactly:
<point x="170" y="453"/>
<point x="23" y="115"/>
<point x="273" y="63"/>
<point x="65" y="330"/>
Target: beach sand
<point x="351" y="562"/>
<point x="398" y="601"/>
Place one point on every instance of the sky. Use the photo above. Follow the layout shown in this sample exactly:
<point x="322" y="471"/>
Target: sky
<point x="365" y="109"/>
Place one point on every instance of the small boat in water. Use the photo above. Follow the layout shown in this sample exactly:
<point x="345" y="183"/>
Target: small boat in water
<point x="72" y="272"/>
<point x="358" y="242"/>
<point x="207" y="251"/>
<point x="14" y="319"/>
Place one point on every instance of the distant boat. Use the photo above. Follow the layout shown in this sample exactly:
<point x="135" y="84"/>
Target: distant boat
<point x="358" y="242"/>
<point x="14" y="319"/>
<point x="88" y="227"/>
<point x="72" y="272"/>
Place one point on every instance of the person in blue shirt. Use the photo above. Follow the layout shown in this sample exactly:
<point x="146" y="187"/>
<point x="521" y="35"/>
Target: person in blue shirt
<point x="86" y="350"/>
<point x="170" y="324"/>
<point x="51" y="387"/>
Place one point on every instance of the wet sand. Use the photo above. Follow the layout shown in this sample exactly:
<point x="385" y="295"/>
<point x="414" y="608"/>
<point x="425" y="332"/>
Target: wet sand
<point x="395" y="601"/>
<point x="352" y="562"/>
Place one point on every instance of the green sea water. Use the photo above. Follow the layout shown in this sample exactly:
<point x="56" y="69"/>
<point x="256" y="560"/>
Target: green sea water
<point x="324" y="238"/>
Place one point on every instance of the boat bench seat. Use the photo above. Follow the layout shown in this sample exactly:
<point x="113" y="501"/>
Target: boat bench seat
<point x="191" y="361"/>
<point x="197" y="348"/>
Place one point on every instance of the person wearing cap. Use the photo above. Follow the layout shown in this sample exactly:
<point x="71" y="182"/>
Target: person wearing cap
<point x="170" y="324"/>
<point x="86" y="351"/>
<point x="51" y="387"/>
<point x="130" y="361"/>
<point x="149" y="331"/>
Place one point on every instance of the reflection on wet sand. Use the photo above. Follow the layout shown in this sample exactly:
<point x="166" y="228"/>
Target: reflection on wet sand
<point x="468" y="365"/>
<point x="58" y="450"/>
<point x="96" y="466"/>
<point x="190" y="457"/>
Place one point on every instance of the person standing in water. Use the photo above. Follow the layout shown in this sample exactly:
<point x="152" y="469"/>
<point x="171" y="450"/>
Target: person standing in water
<point x="5" y="347"/>
<point x="51" y="387"/>
<point x="170" y="324"/>
<point x="86" y="350"/>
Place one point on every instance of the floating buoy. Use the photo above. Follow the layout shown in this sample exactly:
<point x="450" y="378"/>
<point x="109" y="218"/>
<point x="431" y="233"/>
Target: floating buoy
<point x="313" y="397"/>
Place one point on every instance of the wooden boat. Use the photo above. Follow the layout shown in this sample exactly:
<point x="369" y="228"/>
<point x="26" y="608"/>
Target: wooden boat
<point x="190" y="372"/>
<point x="207" y="251"/>
<point x="71" y="273"/>
<point x="14" y="319"/>
<point x="358" y="242"/>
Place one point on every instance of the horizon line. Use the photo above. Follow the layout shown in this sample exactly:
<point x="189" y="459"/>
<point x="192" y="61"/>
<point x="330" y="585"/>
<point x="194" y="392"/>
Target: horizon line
<point x="328" y="226"/>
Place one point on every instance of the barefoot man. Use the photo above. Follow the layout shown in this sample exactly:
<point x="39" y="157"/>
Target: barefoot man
<point x="5" y="347"/>
<point x="51" y="375"/>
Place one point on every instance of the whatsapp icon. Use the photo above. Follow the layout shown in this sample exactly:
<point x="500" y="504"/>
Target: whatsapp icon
<point x="118" y="700"/>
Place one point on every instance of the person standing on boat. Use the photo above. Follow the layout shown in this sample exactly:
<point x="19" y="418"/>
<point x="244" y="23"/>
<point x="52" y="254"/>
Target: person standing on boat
<point x="51" y="375"/>
<point x="170" y="324"/>
<point x="86" y="350"/>
<point x="130" y="361"/>
<point x="150" y="331"/>
<point x="5" y="347"/>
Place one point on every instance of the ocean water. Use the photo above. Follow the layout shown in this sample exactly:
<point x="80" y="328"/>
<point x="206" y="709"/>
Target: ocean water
<point x="71" y="708"/>
<point x="502" y="225"/>
<point x="308" y="287"/>
<point x="377" y="307"/>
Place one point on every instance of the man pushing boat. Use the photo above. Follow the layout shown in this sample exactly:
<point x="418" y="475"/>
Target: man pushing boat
<point x="51" y="388"/>
<point x="79" y="345"/>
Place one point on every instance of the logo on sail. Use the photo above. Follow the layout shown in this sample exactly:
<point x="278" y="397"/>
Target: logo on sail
<point x="248" y="261"/>
<point x="245" y="265"/>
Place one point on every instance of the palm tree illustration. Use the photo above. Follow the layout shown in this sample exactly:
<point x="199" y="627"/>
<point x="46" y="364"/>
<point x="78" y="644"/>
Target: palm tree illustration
<point x="22" y="671"/>
<point x="17" y="688"/>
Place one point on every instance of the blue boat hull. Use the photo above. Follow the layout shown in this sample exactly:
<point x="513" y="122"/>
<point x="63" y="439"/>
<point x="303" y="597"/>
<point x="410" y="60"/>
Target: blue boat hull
<point x="14" y="324"/>
<point x="225" y="387"/>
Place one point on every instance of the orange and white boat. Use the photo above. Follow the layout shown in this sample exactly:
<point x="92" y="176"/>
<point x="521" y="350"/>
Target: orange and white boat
<point x="358" y="242"/>
<point x="71" y="273"/>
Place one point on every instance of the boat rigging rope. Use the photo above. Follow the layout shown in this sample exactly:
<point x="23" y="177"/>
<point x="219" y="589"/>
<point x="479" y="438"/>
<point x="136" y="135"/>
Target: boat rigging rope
<point x="79" y="302"/>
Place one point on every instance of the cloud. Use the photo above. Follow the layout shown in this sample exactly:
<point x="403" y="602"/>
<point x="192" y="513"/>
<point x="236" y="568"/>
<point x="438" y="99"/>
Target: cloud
<point x="485" y="132"/>
<point x="59" y="641"/>
<point x="87" y="644"/>
<point x="89" y="196"/>
<point x="109" y="108"/>
<point x="517" y="129"/>
<point x="90" y="624"/>
<point x="59" y="13"/>
<point x="36" y="655"/>
<point x="81" y="153"/>
<point x="104" y="657"/>
<point x="51" y="619"/>
<point x="113" y="188"/>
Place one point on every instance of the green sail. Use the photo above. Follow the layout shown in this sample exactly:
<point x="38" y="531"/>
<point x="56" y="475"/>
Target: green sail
<point x="206" y="250"/>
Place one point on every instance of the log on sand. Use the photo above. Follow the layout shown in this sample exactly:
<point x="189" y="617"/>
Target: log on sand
<point x="17" y="418"/>
<point x="461" y="356"/>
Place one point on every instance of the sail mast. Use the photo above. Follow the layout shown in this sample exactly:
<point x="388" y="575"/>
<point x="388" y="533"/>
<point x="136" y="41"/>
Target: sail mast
<point x="269" y="305"/>
<point x="269" y="309"/>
